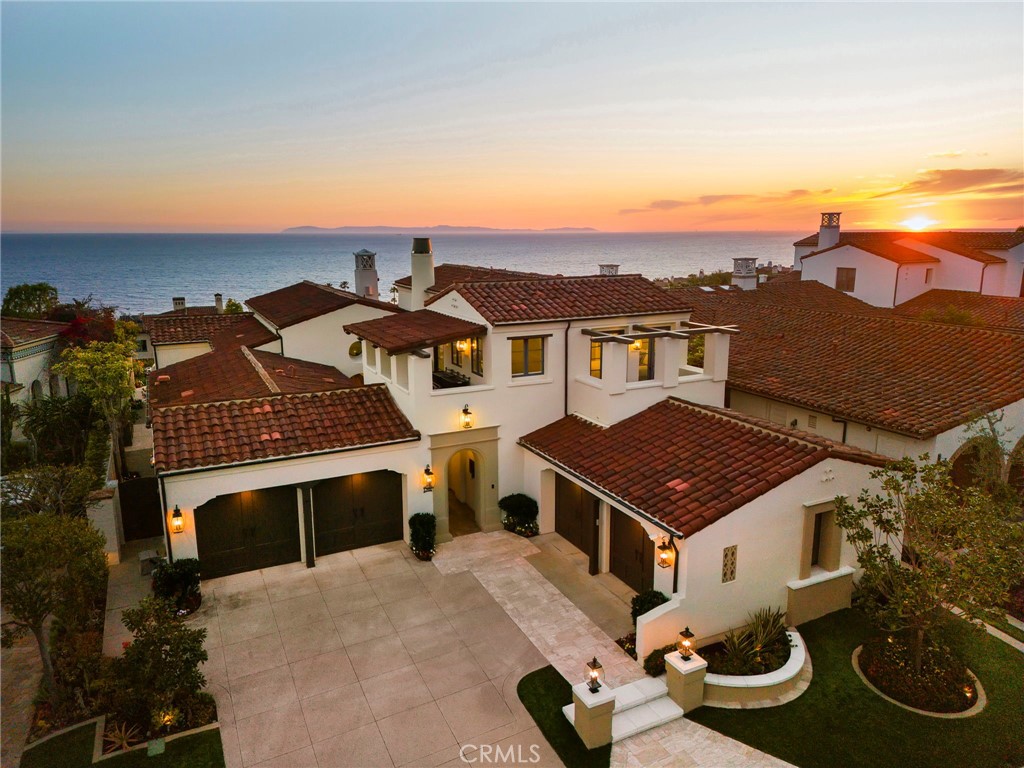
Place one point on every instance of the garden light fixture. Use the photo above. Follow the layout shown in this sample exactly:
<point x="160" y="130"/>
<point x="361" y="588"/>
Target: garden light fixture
<point x="177" y="520"/>
<point x="594" y="672"/>
<point x="686" y="644"/>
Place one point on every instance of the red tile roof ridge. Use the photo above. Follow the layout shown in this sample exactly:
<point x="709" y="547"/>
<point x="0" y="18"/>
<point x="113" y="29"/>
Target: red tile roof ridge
<point x="271" y="384"/>
<point x="357" y="298"/>
<point x="279" y="396"/>
<point x="900" y="254"/>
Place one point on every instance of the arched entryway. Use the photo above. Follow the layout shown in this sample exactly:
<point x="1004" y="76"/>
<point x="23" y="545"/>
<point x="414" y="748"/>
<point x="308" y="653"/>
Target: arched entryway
<point x="465" y="492"/>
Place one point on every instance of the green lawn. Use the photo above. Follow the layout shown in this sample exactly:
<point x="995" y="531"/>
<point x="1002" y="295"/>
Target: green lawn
<point x="840" y="723"/>
<point x="544" y="693"/>
<point x="74" y="750"/>
<point x="1007" y="627"/>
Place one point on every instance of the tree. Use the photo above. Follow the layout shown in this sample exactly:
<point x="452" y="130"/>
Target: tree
<point x="50" y="565"/>
<point x="57" y="427"/>
<point x="87" y="321"/>
<point x="233" y="307"/>
<point x="58" y="490"/>
<point x="30" y="300"/>
<point x="343" y="285"/>
<point x="961" y="549"/>
<point x="103" y="371"/>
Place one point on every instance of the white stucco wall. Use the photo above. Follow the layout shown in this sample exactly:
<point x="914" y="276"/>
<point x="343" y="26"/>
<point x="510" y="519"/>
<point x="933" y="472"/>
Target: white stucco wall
<point x="34" y="367"/>
<point x="169" y="354"/>
<point x="876" y="277"/>
<point x="322" y="340"/>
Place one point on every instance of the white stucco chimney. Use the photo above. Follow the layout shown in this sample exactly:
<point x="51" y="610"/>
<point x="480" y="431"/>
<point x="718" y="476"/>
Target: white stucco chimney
<point x="179" y="303"/>
<point x="744" y="272"/>
<point x="366" y="274"/>
<point x="422" y="270"/>
<point x="828" y="232"/>
<point x="609" y="269"/>
<point x="218" y="302"/>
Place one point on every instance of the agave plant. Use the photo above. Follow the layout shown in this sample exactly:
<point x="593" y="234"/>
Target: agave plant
<point x="120" y="736"/>
<point x="766" y="628"/>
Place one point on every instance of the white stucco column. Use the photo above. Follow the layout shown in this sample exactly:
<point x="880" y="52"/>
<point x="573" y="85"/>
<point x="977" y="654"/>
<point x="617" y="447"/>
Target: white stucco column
<point x="716" y="356"/>
<point x="614" y="367"/>
<point x="667" y="357"/>
<point x="604" y="521"/>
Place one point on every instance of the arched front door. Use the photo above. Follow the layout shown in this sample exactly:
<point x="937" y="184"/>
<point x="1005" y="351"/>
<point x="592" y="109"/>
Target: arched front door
<point x="465" y="492"/>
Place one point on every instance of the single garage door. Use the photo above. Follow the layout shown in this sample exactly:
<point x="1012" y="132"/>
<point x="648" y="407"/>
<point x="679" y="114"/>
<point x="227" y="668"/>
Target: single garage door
<point x="576" y="515"/>
<point x="632" y="552"/>
<point x="357" y="511"/>
<point x="248" y="530"/>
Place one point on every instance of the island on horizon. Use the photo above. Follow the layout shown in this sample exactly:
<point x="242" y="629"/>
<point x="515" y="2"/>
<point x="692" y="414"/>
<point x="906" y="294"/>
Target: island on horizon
<point x="442" y="228"/>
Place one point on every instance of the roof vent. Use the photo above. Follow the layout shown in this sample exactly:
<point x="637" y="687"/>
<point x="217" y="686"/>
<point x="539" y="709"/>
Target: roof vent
<point x="178" y="302"/>
<point x="608" y="269"/>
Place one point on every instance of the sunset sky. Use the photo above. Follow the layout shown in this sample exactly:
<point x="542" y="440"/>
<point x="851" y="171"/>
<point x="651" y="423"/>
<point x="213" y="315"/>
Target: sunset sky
<point x="159" y="117"/>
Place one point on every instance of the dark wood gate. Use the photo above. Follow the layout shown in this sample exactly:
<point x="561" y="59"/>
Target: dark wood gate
<point x="576" y="515"/>
<point x="248" y="530"/>
<point x="632" y="552"/>
<point x="141" y="516"/>
<point x="357" y="511"/>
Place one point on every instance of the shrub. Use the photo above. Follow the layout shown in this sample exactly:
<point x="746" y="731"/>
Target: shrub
<point x="654" y="664"/>
<point x="942" y="685"/>
<point x="97" y="453"/>
<point x="519" y="514"/>
<point x="766" y="628"/>
<point x="422" y="532"/>
<point x="647" y="601"/>
<point x="178" y="582"/>
<point x="762" y="646"/>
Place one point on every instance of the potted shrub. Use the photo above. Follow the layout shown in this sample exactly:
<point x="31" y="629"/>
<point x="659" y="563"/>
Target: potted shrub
<point x="178" y="582"/>
<point x="422" y="530"/>
<point x="519" y="514"/>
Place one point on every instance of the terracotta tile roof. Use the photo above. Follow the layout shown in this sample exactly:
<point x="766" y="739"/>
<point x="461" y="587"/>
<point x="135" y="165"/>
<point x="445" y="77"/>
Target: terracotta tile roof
<point x="209" y="309"/>
<point x="806" y="294"/>
<point x="186" y="329"/>
<point x="407" y="331"/>
<point x="907" y="376"/>
<point x="249" y="332"/>
<point x="567" y="298"/>
<point x="306" y="300"/>
<point x="214" y="434"/>
<point x="18" y="331"/>
<point x="236" y="374"/>
<point x="973" y="245"/>
<point x="887" y="250"/>
<point x="1003" y="312"/>
<point x="448" y="274"/>
<point x="683" y="464"/>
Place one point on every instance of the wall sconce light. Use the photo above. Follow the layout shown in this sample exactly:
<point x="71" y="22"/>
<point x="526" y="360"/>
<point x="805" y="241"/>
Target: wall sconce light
<point x="594" y="672"/>
<point x="665" y="553"/>
<point x="636" y="344"/>
<point x="466" y="419"/>
<point x="462" y="345"/>
<point x="177" y="520"/>
<point x="428" y="479"/>
<point x="686" y="644"/>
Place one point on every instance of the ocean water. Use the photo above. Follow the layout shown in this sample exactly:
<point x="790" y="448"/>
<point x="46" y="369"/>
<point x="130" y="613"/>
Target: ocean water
<point x="141" y="273"/>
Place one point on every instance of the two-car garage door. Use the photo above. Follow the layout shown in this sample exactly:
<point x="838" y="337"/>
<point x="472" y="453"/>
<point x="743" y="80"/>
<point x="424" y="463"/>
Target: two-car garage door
<point x="259" y="529"/>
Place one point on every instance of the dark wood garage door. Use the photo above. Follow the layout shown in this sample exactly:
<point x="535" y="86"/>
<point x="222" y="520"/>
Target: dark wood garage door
<point x="141" y="517"/>
<point x="357" y="511"/>
<point x="248" y="530"/>
<point x="632" y="552"/>
<point x="576" y="517"/>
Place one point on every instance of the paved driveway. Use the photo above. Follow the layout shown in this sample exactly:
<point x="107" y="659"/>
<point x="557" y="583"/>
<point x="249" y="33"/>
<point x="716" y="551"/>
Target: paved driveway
<point x="370" y="659"/>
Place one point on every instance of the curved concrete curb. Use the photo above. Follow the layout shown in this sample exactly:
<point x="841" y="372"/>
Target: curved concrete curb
<point x="979" y="704"/>
<point x="771" y="689"/>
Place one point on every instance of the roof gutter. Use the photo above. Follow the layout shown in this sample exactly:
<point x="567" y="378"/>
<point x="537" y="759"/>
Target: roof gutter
<point x="618" y="499"/>
<point x="290" y="457"/>
<point x="981" y="287"/>
<point x="896" y="287"/>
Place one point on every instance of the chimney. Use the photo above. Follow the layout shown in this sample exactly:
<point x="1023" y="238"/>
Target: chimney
<point x="744" y="272"/>
<point x="422" y="270"/>
<point x="179" y="303"/>
<point x="218" y="301"/>
<point x="366" y="274"/>
<point x="828" y="233"/>
<point x="608" y="269"/>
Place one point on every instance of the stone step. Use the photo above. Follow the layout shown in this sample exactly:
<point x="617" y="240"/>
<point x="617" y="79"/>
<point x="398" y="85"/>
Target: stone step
<point x="636" y="716"/>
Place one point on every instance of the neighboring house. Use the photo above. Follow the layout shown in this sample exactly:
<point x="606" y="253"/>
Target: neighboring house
<point x="1005" y="313"/>
<point x="170" y="339"/>
<point x="144" y="347"/>
<point x="446" y="275"/>
<point x="28" y="349"/>
<point x="886" y="269"/>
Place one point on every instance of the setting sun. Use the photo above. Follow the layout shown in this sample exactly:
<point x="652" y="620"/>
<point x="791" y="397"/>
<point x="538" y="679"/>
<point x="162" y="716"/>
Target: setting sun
<point x="918" y="223"/>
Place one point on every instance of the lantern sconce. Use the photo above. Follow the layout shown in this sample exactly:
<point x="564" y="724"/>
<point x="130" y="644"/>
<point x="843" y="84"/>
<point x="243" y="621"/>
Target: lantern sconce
<point x="462" y="345"/>
<point x="428" y="479"/>
<point x="466" y="418"/>
<point x="594" y="672"/>
<point x="686" y="644"/>
<point x="636" y="344"/>
<point x="177" y="520"/>
<point x="665" y="554"/>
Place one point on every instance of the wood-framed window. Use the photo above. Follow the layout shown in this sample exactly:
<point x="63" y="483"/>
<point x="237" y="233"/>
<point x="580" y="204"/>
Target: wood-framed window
<point x="645" y="360"/>
<point x="455" y="353"/>
<point x="476" y="355"/>
<point x="822" y="539"/>
<point x="846" y="279"/>
<point x="528" y="356"/>
<point x="596" y="358"/>
<point x="438" y="358"/>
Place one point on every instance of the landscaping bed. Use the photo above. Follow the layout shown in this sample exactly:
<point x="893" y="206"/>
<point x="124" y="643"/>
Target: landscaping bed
<point x="544" y="692"/>
<point x="839" y="716"/>
<point x="941" y="685"/>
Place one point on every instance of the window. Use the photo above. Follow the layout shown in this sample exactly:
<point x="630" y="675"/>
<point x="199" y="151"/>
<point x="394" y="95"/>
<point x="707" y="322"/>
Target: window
<point x="596" y="348"/>
<point x="528" y="356"/>
<point x="438" y="359"/>
<point x="846" y="277"/>
<point x="142" y="346"/>
<point x="645" y="364"/>
<point x="812" y="422"/>
<point x="729" y="564"/>
<point x="928" y="276"/>
<point x="456" y="355"/>
<point x="816" y="540"/>
<point x="476" y="355"/>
